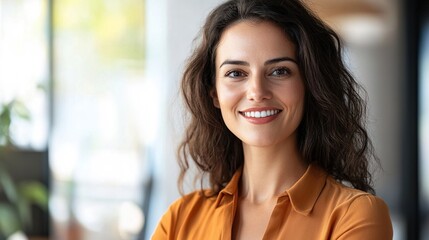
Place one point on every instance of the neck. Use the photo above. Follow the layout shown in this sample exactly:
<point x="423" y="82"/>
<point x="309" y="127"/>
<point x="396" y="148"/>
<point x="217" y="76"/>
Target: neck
<point x="268" y="172"/>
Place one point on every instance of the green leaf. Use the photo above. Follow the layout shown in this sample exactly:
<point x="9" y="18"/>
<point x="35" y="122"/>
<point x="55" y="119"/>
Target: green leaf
<point x="35" y="193"/>
<point x="9" y="221"/>
<point x="20" y="110"/>
<point x="8" y="186"/>
<point x="24" y="212"/>
<point x="5" y="121"/>
<point x="43" y="86"/>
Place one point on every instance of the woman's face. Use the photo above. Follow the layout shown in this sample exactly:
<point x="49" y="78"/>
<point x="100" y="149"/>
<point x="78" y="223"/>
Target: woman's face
<point x="259" y="88"/>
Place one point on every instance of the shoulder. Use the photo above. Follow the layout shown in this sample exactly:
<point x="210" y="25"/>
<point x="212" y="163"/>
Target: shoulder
<point x="184" y="210"/>
<point x="349" y="201"/>
<point x="197" y="199"/>
<point x="358" y="215"/>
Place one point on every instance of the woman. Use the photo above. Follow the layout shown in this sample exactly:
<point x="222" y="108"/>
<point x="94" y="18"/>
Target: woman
<point x="277" y="127"/>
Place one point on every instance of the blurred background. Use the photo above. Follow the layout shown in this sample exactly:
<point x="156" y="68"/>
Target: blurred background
<point x="90" y="115"/>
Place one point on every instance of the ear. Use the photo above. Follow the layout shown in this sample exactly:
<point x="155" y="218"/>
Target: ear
<point x="213" y="94"/>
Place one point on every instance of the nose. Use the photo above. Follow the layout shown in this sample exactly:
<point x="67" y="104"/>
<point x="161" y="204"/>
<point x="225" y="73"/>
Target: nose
<point x="258" y="89"/>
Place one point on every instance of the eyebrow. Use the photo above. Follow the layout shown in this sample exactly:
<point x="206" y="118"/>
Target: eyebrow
<point x="271" y="61"/>
<point x="234" y="62"/>
<point x="280" y="59"/>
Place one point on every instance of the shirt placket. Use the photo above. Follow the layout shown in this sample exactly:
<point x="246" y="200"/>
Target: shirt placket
<point x="277" y="218"/>
<point x="229" y="210"/>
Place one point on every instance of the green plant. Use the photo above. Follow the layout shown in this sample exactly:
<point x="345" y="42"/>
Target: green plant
<point x="8" y="112"/>
<point x="16" y="202"/>
<point x="16" y="199"/>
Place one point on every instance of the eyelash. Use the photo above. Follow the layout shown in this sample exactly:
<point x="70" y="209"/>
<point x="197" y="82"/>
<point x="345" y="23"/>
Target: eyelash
<point x="285" y="71"/>
<point x="228" y="74"/>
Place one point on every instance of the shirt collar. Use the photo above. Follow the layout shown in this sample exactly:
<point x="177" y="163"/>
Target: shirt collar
<point x="230" y="190"/>
<point x="303" y="194"/>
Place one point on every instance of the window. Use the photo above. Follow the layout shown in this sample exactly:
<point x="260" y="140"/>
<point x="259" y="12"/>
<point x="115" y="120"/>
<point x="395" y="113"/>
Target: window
<point x="103" y="119"/>
<point x="24" y="79"/>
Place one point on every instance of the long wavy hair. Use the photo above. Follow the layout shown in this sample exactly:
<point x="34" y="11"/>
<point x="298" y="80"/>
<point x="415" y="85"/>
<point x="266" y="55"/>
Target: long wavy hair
<point x="332" y="133"/>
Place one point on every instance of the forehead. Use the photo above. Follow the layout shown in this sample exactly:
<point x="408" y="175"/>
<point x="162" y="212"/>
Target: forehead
<point x="257" y="40"/>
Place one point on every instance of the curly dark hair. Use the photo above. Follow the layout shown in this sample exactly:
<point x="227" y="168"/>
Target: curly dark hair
<point x="332" y="133"/>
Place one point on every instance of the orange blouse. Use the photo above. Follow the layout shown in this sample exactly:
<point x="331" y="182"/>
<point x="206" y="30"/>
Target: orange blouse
<point x="315" y="207"/>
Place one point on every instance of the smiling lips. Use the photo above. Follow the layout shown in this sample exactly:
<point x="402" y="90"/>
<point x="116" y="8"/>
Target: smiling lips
<point x="260" y="116"/>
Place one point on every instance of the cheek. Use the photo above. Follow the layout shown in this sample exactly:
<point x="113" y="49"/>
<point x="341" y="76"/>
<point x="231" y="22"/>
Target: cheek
<point x="294" y="94"/>
<point x="228" y="95"/>
<point x="299" y="99"/>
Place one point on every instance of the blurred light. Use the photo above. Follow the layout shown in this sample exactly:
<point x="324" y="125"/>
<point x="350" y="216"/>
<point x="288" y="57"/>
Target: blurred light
<point x="357" y="21"/>
<point x="23" y="45"/>
<point x="110" y="167"/>
<point x="363" y="29"/>
<point x="64" y="158"/>
<point x="424" y="116"/>
<point x="59" y="209"/>
<point x="131" y="220"/>
<point x="92" y="214"/>
<point x="17" y="236"/>
<point x="150" y="110"/>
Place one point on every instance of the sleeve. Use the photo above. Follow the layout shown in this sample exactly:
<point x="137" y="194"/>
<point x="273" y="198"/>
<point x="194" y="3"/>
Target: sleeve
<point x="167" y="225"/>
<point x="367" y="217"/>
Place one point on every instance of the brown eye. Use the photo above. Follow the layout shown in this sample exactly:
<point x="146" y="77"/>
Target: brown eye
<point x="280" y="72"/>
<point x="235" y="74"/>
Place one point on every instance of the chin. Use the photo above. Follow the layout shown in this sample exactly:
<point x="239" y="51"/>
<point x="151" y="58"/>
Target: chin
<point x="259" y="142"/>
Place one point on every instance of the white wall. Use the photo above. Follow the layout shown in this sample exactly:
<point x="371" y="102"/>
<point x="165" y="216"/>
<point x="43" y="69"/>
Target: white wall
<point x="171" y="28"/>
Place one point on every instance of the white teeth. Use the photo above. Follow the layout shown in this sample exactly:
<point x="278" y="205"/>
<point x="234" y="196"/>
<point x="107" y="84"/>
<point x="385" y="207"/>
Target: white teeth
<point x="261" y="114"/>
